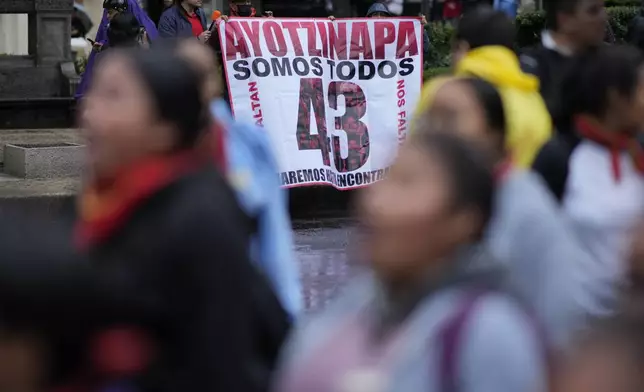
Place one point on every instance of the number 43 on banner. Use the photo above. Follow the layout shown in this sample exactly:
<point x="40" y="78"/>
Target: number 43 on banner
<point x="312" y="98"/>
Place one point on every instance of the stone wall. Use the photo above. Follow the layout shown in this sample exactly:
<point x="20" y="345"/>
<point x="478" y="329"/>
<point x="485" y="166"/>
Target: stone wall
<point x="39" y="74"/>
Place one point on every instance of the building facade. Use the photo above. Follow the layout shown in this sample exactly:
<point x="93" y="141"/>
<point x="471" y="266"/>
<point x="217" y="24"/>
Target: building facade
<point x="14" y="30"/>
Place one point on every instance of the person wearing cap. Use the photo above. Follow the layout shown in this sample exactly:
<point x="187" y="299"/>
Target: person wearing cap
<point x="380" y="10"/>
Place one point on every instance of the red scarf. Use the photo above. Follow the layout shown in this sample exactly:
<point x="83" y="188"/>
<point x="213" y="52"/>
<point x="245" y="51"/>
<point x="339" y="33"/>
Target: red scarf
<point x="115" y="354"/>
<point x="214" y="146"/>
<point x="616" y="142"/>
<point x="105" y="209"/>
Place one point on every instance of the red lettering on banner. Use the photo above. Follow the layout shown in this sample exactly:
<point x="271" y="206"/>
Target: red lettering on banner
<point x="337" y="40"/>
<point x="235" y="41"/>
<point x="385" y="33"/>
<point x="325" y="41"/>
<point x="252" y="31"/>
<point x="255" y="103"/>
<point x="402" y="114"/>
<point x="407" y="42"/>
<point x="292" y="27"/>
<point x="275" y="39"/>
<point x="332" y="35"/>
<point x="360" y="41"/>
<point x="311" y="37"/>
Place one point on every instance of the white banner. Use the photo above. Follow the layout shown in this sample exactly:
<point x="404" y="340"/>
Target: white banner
<point x="335" y="96"/>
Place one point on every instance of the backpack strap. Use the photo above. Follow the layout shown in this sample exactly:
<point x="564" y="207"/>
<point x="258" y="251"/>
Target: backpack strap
<point x="451" y="340"/>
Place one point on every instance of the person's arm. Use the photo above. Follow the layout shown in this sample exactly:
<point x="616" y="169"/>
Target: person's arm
<point x="548" y="262"/>
<point x="167" y="26"/>
<point x="501" y="350"/>
<point x="427" y="45"/>
<point x="551" y="164"/>
<point x="529" y="64"/>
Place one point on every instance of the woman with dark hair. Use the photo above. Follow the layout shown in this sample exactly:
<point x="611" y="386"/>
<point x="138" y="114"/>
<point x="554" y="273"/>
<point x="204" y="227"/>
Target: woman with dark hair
<point x="596" y="169"/>
<point x="527" y="233"/>
<point x="431" y="315"/>
<point x="125" y="31"/>
<point x="162" y="300"/>
<point x="607" y="358"/>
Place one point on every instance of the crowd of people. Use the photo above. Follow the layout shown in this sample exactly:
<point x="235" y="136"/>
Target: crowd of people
<point x="451" y="10"/>
<point x="504" y="250"/>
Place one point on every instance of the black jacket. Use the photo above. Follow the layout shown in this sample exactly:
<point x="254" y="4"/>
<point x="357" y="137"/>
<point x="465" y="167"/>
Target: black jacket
<point x="552" y="161"/>
<point x="551" y="67"/>
<point x="175" y="24"/>
<point x="178" y="269"/>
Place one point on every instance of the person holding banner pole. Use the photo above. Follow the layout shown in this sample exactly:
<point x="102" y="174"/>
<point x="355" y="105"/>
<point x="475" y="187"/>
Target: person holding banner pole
<point x="380" y="10"/>
<point x="185" y="19"/>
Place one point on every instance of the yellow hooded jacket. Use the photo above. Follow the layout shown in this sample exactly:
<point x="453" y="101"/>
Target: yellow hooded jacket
<point x="529" y="125"/>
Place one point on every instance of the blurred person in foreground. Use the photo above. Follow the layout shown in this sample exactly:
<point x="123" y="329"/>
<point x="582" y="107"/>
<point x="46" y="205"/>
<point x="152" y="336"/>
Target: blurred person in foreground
<point x="483" y="47"/>
<point x="572" y="28"/>
<point x="112" y="8"/>
<point x="430" y="315"/>
<point x="250" y="166"/>
<point x="608" y="358"/>
<point x="527" y="233"/>
<point x="596" y="166"/>
<point x="161" y="298"/>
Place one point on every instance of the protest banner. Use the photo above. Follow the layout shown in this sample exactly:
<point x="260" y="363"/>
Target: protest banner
<point x="335" y="96"/>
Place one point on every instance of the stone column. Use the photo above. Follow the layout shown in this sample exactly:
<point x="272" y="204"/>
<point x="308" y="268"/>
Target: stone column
<point x="50" y="31"/>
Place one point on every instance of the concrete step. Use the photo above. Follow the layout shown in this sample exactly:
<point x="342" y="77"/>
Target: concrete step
<point x="42" y="194"/>
<point x="37" y="112"/>
<point x="13" y="187"/>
